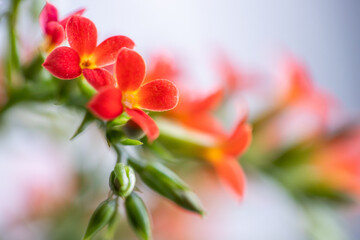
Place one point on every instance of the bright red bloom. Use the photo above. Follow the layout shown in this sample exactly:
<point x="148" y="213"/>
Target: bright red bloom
<point x="223" y="156"/>
<point x="83" y="55"/>
<point x="129" y="93"/>
<point x="52" y="27"/>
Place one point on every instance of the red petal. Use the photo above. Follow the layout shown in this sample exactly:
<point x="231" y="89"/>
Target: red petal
<point x="239" y="140"/>
<point x="65" y="20"/>
<point x="204" y="122"/>
<point x="232" y="175"/>
<point x="129" y="70"/>
<point x="48" y="14"/>
<point x="63" y="63"/>
<point x="107" y="103"/>
<point x="209" y="102"/>
<point x="107" y="51"/>
<point x="81" y="34"/>
<point x="99" y="77"/>
<point x="158" y="95"/>
<point x="146" y="123"/>
<point x="56" y="32"/>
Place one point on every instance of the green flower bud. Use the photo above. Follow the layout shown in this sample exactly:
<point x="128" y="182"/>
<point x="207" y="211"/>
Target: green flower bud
<point x="101" y="217"/>
<point x="122" y="180"/>
<point x="165" y="182"/>
<point x="138" y="216"/>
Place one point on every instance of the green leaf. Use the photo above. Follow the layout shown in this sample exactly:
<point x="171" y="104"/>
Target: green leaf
<point x="101" y="217"/>
<point x="158" y="149"/>
<point x="132" y="142"/>
<point x="88" y="118"/>
<point x="138" y="216"/>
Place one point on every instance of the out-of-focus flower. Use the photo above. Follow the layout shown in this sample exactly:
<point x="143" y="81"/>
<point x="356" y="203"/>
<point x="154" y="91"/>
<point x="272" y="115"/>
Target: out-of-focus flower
<point x="295" y="82"/>
<point x="194" y="109"/>
<point x="196" y="112"/>
<point x="128" y="92"/>
<point x="234" y="78"/>
<point x="83" y="55"/>
<point x="224" y="154"/>
<point x="52" y="27"/>
<point x="337" y="163"/>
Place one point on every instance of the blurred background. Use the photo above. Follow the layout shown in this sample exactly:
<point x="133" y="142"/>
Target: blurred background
<point x="46" y="179"/>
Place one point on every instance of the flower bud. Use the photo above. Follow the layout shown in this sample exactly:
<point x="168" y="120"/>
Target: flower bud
<point x="122" y="180"/>
<point x="138" y="216"/>
<point x="165" y="182"/>
<point x="102" y="215"/>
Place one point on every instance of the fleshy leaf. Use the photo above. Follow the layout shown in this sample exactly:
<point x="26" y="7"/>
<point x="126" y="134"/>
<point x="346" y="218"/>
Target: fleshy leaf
<point x="158" y="95"/>
<point x="81" y="34"/>
<point x="107" y="103"/>
<point x="107" y="51"/>
<point x="63" y="63"/>
<point x="99" y="78"/>
<point x="145" y="122"/>
<point x="129" y="70"/>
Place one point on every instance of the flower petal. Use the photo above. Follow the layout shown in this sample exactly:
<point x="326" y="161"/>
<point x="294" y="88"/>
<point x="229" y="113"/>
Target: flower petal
<point x="107" y="51"/>
<point x="81" y="34"/>
<point x="63" y="63"/>
<point x="48" y="14"/>
<point x="56" y="33"/>
<point x="129" y="69"/>
<point x="232" y="175"/>
<point x="99" y="77"/>
<point x="146" y="123"/>
<point x="209" y="102"/>
<point x="203" y="122"/>
<point x="65" y="20"/>
<point x="107" y="103"/>
<point x="158" y="95"/>
<point x="239" y="141"/>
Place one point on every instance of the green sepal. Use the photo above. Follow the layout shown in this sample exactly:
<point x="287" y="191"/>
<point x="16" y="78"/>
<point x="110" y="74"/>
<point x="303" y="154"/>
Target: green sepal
<point x="131" y="142"/>
<point x="138" y="216"/>
<point x="101" y="217"/>
<point x="88" y="118"/>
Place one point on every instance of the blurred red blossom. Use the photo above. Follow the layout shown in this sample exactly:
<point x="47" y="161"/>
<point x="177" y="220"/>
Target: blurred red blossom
<point x="52" y="27"/>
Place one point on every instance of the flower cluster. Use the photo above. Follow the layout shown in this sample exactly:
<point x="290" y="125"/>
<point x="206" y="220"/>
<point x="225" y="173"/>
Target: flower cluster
<point x="122" y="91"/>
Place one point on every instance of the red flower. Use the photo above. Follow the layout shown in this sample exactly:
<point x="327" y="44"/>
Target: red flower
<point x="128" y="92"/>
<point x="52" y="27"/>
<point x="223" y="156"/>
<point x="83" y="56"/>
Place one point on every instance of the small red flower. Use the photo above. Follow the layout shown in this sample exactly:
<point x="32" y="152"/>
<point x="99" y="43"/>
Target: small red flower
<point x="223" y="156"/>
<point x="52" y="27"/>
<point x="130" y="94"/>
<point x="83" y="55"/>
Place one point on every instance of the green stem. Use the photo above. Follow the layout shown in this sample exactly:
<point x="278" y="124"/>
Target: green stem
<point x="13" y="61"/>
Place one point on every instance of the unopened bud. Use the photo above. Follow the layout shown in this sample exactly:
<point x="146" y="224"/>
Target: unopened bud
<point x="138" y="216"/>
<point x="165" y="182"/>
<point x="101" y="217"/>
<point x="122" y="180"/>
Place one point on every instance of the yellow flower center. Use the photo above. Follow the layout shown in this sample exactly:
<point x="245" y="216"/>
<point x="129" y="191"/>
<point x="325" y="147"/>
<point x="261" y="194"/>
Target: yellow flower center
<point x="87" y="63"/>
<point x="130" y="99"/>
<point x="214" y="155"/>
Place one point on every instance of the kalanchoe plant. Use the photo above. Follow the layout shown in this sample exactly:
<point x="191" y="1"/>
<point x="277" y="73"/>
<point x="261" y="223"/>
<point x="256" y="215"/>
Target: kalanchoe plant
<point x="109" y="84"/>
